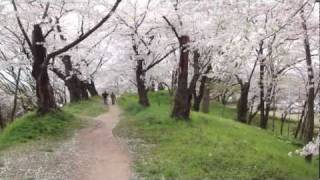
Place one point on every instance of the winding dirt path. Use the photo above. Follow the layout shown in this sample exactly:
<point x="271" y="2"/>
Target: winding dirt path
<point x="102" y="156"/>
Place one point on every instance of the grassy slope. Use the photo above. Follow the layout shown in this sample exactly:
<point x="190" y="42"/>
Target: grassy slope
<point x="51" y="126"/>
<point x="209" y="147"/>
<point x="289" y="126"/>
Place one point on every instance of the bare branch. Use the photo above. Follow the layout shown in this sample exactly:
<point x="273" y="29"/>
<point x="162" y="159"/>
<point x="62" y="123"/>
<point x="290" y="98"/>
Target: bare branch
<point x="87" y="34"/>
<point x="172" y="27"/>
<point x="20" y="24"/>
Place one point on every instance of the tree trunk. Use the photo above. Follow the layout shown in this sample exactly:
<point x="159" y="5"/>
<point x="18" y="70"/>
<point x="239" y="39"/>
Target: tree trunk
<point x="72" y="84"/>
<point x="301" y="120"/>
<point x="242" y="105"/>
<point x="253" y="114"/>
<point x="92" y="88"/>
<point x="283" y="119"/>
<point x="197" y="101"/>
<point x="142" y="90"/>
<point x="44" y="91"/>
<point x="268" y="97"/>
<point x="198" y="98"/>
<point x="274" y="110"/>
<point x="206" y="101"/>
<point x="174" y="82"/>
<point x="195" y="77"/>
<point x="84" y="91"/>
<point x="309" y="126"/>
<point x="13" y="112"/>
<point x="77" y="88"/>
<point x="181" y="108"/>
<point x="263" y="122"/>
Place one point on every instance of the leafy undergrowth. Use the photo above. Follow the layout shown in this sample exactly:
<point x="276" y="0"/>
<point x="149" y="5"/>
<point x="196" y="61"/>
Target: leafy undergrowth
<point x="210" y="146"/>
<point x="52" y="126"/>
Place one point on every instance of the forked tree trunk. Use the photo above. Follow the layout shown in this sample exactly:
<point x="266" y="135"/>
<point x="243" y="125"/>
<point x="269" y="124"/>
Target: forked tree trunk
<point x="181" y="108"/>
<point x="242" y="105"/>
<point x="92" y="88"/>
<point x="77" y="88"/>
<point x="142" y="90"/>
<point x="44" y="91"/>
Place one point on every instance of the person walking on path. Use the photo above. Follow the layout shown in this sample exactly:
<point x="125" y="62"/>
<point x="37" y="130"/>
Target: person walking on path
<point x="113" y="98"/>
<point x="105" y="97"/>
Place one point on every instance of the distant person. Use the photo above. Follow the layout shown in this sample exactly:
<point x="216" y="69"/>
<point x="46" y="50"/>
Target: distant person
<point x="105" y="97"/>
<point x="113" y="98"/>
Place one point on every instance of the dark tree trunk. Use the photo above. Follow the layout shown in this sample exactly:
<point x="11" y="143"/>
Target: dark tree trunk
<point x="142" y="90"/>
<point x="73" y="84"/>
<point x="161" y="86"/>
<point x="197" y="101"/>
<point x="152" y="88"/>
<point x="198" y="98"/>
<point x="206" y="101"/>
<point x="195" y="78"/>
<point x="283" y="119"/>
<point x="253" y="114"/>
<point x="91" y="86"/>
<point x="242" y="105"/>
<point x="174" y="82"/>
<point x="14" y="108"/>
<point x="263" y="122"/>
<point x="269" y="97"/>
<point x="181" y="108"/>
<point x="84" y="90"/>
<point x="76" y="87"/>
<point x="301" y="120"/>
<point x="44" y="91"/>
<point x="224" y="96"/>
<point x="309" y="123"/>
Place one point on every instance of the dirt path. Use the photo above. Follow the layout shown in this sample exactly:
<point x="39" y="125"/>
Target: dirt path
<point x="102" y="156"/>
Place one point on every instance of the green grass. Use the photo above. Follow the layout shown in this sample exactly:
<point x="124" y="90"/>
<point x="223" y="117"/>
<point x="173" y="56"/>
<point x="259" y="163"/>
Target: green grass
<point x="53" y="126"/>
<point x="210" y="146"/>
<point x="230" y="112"/>
<point x="92" y="107"/>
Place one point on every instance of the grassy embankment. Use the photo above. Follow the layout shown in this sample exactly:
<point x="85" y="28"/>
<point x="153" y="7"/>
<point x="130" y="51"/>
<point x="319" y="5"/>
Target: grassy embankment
<point x="211" y="146"/>
<point x="53" y="126"/>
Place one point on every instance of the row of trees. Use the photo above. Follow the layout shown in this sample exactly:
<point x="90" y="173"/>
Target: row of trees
<point x="257" y="46"/>
<point x="185" y="46"/>
<point x="37" y="58"/>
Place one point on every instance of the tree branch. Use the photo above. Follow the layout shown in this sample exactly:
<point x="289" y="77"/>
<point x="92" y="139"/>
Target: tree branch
<point x="87" y="34"/>
<point x="20" y="24"/>
<point x="160" y="60"/>
<point x="172" y="27"/>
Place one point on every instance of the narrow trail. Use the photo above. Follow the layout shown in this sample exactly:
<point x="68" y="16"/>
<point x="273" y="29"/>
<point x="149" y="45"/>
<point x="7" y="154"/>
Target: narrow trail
<point x="102" y="155"/>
